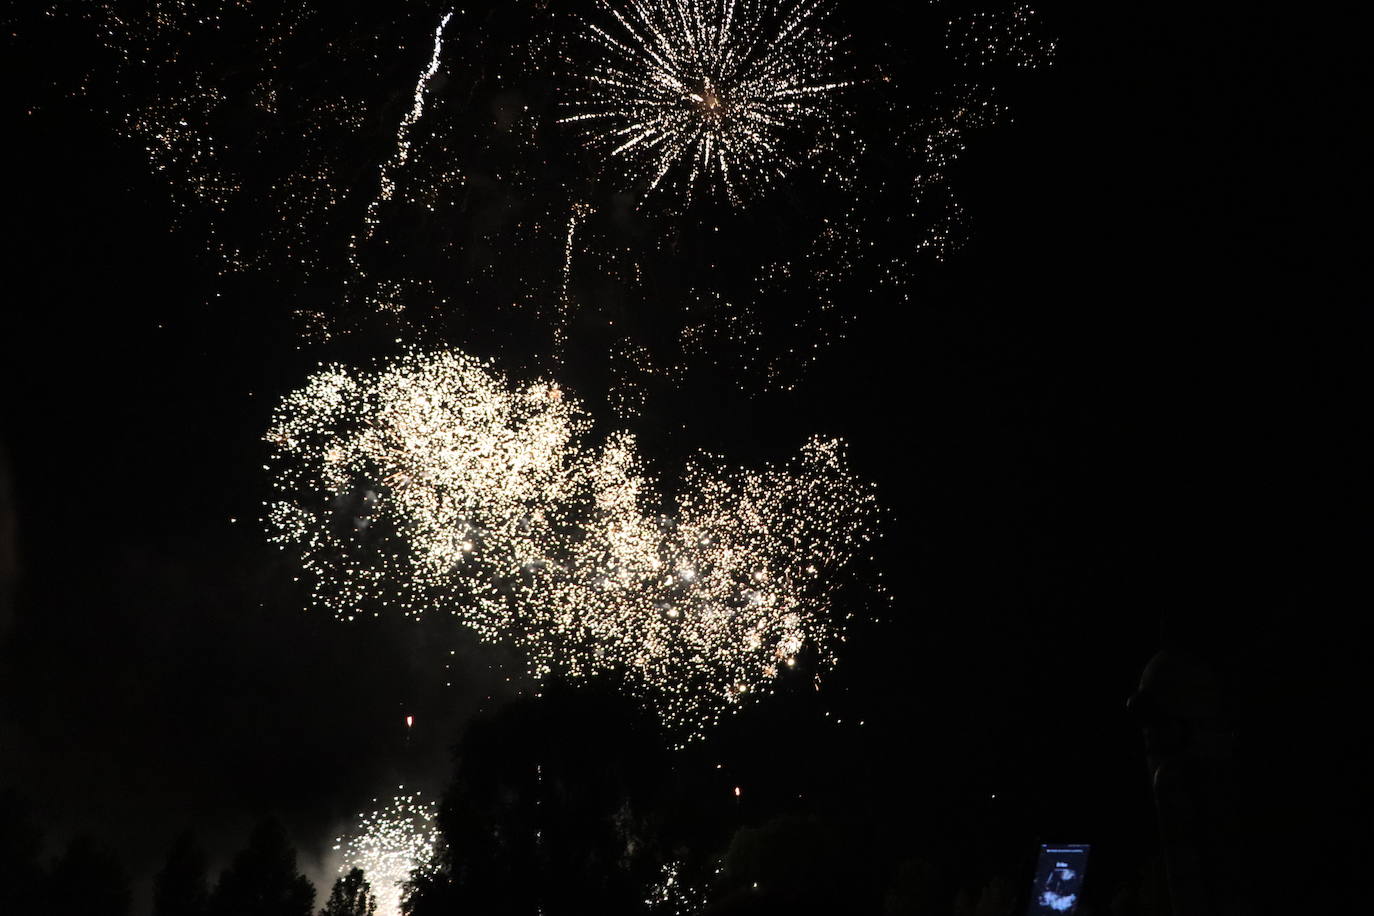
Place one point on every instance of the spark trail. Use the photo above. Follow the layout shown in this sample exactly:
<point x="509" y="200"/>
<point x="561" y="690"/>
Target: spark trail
<point x="560" y="331"/>
<point x="387" y="187"/>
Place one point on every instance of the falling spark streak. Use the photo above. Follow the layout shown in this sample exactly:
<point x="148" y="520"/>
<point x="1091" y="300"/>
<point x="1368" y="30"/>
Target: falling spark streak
<point x="433" y="484"/>
<point x="388" y="183"/>
<point x="716" y="88"/>
<point x="560" y="331"/>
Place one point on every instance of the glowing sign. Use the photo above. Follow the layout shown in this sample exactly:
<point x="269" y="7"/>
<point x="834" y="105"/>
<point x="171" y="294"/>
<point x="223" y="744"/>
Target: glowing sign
<point x="1058" y="880"/>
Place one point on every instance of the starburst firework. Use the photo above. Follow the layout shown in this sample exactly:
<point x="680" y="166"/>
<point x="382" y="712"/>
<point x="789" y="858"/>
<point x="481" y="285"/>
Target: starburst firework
<point x="434" y="484"/>
<point x="689" y="91"/>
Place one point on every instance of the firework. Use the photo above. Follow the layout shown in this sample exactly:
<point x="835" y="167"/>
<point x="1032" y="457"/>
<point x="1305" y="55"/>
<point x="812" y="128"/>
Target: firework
<point x="433" y="484"/>
<point x="201" y="87"/>
<point x="671" y="895"/>
<point x="389" y="844"/>
<point x="261" y="117"/>
<point x="387" y="189"/>
<point x="689" y="91"/>
<point x="265" y="119"/>
<point x="1008" y="36"/>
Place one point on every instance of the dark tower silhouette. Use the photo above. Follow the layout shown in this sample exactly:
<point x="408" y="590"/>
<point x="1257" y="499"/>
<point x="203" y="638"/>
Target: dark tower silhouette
<point x="1185" y="712"/>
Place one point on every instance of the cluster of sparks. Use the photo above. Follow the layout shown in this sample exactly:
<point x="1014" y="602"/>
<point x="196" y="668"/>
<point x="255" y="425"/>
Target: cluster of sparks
<point x="262" y="118"/>
<point x="433" y="484"/>
<point x="992" y="37"/>
<point x="219" y="130"/>
<point x="690" y="91"/>
<point x="389" y="844"/>
<point x="673" y="896"/>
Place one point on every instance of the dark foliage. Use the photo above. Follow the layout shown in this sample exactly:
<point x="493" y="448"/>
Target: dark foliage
<point x="87" y="881"/>
<point x="351" y="896"/>
<point x="915" y="889"/>
<point x="432" y="894"/>
<point x="800" y="865"/>
<point x="554" y="809"/>
<point x="262" y="880"/>
<point x="182" y="888"/>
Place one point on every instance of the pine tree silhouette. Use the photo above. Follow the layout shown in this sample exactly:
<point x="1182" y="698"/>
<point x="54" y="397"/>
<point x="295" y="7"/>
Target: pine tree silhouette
<point x="182" y="888"/>
<point x="351" y="896"/>
<point x="262" y="880"/>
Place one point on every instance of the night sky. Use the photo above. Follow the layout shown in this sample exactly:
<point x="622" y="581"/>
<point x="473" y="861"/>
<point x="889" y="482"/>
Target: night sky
<point x="1130" y="412"/>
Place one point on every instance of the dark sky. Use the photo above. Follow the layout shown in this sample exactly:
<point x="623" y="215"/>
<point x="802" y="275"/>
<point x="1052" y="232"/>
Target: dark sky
<point x="1132" y="411"/>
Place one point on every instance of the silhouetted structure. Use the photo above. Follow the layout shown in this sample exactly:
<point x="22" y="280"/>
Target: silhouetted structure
<point x="1182" y="707"/>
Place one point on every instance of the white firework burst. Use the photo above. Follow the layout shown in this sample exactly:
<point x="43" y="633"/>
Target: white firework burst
<point x="434" y="484"/>
<point x="389" y="844"/>
<point x="682" y="92"/>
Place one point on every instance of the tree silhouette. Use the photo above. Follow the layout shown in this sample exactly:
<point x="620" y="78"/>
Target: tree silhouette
<point x="998" y="897"/>
<point x="86" y="881"/>
<point x="553" y="810"/>
<point x="915" y="889"/>
<point x="799" y="865"/>
<point x="182" y="888"/>
<point x="262" y="880"/>
<point x="351" y="896"/>
<point x="430" y="894"/>
<point x="1146" y="894"/>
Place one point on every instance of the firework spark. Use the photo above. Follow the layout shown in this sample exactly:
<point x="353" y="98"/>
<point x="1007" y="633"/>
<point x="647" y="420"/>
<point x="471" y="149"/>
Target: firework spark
<point x="671" y="895"/>
<point x="389" y="844"/>
<point x="432" y="484"/>
<point x="261" y="118"/>
<point x="724" y="90"/>
<point x="387" y="189"/>
<point x="560" y="330"/>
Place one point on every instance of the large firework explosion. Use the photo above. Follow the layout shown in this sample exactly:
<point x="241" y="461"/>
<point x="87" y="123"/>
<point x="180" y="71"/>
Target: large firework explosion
<point x="723" y="90"/>
<point x="433" y="484"/>
<point x="389" y="844"/>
